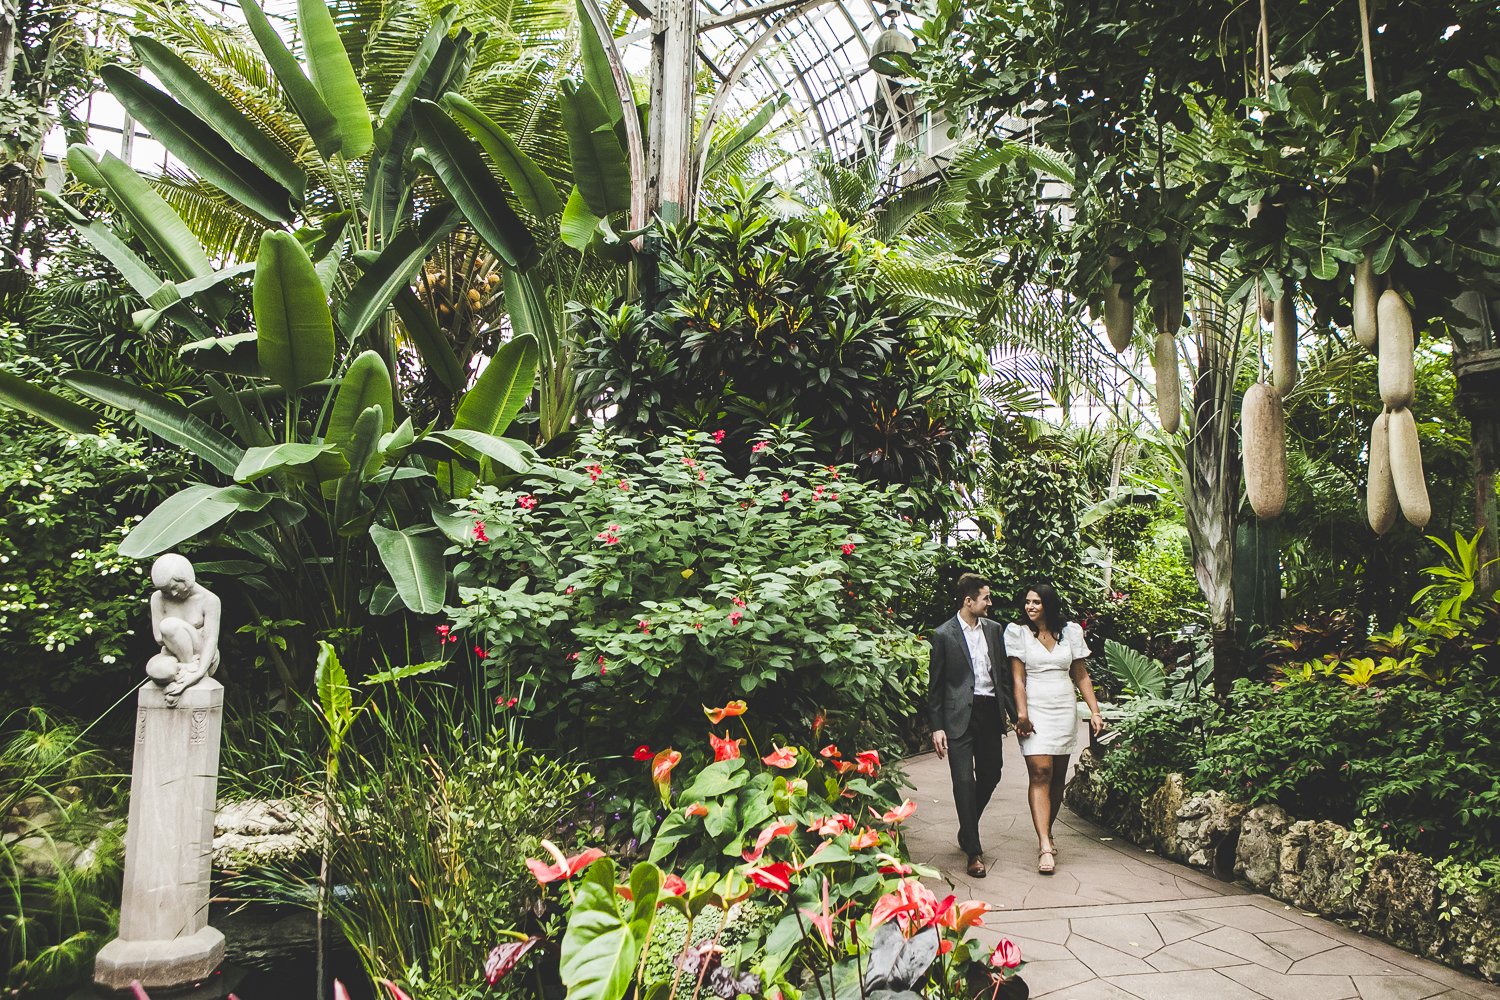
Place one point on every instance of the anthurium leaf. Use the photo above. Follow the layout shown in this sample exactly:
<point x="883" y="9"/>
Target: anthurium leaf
<point x="293" y="324"/>
<point x="414" y="559"/>
<point x="304" y="97"/>
<point x="645" y="886"/>
<point x="600" y="168"/>
<point x="57" y="411"/>
<point x="288" y="455"/>
<point x="501" y="390"/>
<point x="166" y="418"/>
<point x="201" y="145"/>
<point x="392" y="269"/>
<point x="599" y="949"/>
<point x="716" y="779"/>
<point x="333" y="74"/>
<point x="676" y="828"/>
<point x="179" y="517"/>
<point x="529" y="182"/>
<point x="366" y="383"/>
<point x="429" y="340"/>
<point x="459" y="166"/>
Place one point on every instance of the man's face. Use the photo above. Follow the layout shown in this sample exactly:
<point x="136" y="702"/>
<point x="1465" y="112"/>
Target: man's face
<point x="979" y="605"/>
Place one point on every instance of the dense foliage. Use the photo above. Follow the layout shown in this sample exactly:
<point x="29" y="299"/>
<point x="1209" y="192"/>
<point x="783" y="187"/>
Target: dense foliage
<point x="610" y="605"/>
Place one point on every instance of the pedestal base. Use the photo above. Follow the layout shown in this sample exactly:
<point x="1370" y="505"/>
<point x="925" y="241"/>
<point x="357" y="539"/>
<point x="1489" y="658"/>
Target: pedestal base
<point x="161" y="964"/>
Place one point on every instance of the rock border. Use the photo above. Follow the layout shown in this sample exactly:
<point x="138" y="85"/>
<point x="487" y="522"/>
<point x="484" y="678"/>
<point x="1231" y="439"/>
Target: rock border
<point x="1306" y="863"/>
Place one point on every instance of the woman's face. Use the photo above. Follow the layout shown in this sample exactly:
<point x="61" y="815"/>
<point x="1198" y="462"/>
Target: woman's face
<point x="1033" y="606"/>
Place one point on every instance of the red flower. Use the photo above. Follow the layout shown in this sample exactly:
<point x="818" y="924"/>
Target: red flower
<point x="696" y="809"/>
<point x="644" y="626"/>
<point x="844" y="766"/>
<point x="571" y="657"/>
<point x="724" y="747"/>
<point x="481" y="652"/>
<point x="661" y="771"/>
<point x="892" y="866"/>
<point x="758" y="447"/>
<point x="445" y="633"/>
<point x="944" y="946"/>
<point x="740" y="601"/>
<point x="625" y="485"/>
<point x="702" y="476"/>
<point x="777" y="877"/>
<point x="504" y="957"/>
<point x="673" y="885"/>
<point x="830" y="751"/>
<point x="608" y="536"/>
<point x="896" y="815"/>
<point x="643" y="752"/>
<point x="735" y="617"/>
<point x="961" y="916"/>
<point x="689" y="462"/>
<point x="568" y="590"/>
<point x="833" y="471"/>
<point x="730" y="711"/>
<point x="848" y="547"/>
<point x="866" y="838"/>
<point x="910" y="899"/>
<point x="782" y="757"/>
<point x="1007" y="955"/>
<point x="718" y="437"/>
<point x="832" y="826"/>
<point x="698" y="626"/>
<point x="565" y="868"/>
<point x="595" y="471"/>
<point x="397" y="993"/>
<point x="869" y="761"/>
<point x="504" y="702"/>
<point x="479" y="535"/>
<point x="785" y="496"/>
<point x="767" y="835"/>
<point x="526" y="501"/>
<point x="819" y="721"/>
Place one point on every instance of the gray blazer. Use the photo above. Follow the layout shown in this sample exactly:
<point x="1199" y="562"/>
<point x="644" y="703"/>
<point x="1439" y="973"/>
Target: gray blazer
<point x="950" y="676"/>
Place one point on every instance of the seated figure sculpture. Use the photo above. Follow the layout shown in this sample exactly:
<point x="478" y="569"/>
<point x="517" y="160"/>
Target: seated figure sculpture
<point x="185" y="621"/>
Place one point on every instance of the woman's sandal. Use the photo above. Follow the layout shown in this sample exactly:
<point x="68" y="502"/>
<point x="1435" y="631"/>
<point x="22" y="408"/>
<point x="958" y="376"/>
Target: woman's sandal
<point x="1046" y="867"/>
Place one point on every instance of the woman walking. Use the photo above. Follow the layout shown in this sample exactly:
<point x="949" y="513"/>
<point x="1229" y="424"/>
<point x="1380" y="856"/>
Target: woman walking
<point x="1047" y="662"/>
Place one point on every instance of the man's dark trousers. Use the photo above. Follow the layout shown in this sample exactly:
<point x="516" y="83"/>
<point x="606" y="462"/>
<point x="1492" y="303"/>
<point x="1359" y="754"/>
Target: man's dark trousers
<point x="974" y="760"/>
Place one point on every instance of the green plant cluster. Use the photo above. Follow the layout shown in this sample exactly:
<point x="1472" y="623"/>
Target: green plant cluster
<point x="611" y="605"/>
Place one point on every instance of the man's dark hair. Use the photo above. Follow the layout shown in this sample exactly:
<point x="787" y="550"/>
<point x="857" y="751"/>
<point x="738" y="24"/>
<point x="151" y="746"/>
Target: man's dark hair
<point x="969" y="585"/>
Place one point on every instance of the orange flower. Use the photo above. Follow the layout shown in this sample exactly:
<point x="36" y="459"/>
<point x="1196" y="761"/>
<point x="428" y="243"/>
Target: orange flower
<point x="696" y="809"/>
<point x="724" y="747"/>
<point x="830" y="751"/>
<point x="729" y="711"/>
<point x="866" y="838"/>
<point x="897" y="814"/>
<point x="661" y="772"/>
<point x="869" y="761"/>
<point x="782" y="757"/>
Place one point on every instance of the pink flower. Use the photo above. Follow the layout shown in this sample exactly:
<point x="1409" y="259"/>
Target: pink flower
<point x="673" y="885"/>
<point x="564" y="869"/>
<point x="896" y="815"/>
<point x="644" y="626"/>
<point x="782" y="757"/>
<point x="571" y="657"/>
<point x="758" y="447"/>
<point x="833" y="471"/>
<point x="832" y="826"/>
<point x="1007" y="955"/>
<point x="569" y="590"/>
<point x="698" y="626"/>
<point x="595" y="471"/>
<point x="702" y="476"/>
<point x="479" y="535"/>
<point x="689" y="462"/>
<point x="869" y="761"/>
<point x="608" y="536"/>
<point x="526" y="501"/>
<point x="625" y="485"/>
<point x="738" y="601"/>
<point x="735" y="617"/>
<point x="848" y="546"/>
<point x="718" y="437"/>
<point x="767" y="835"/>
<point x="661" y="767"/>
<point x="866" y="838"/>
<point x="785" y="496"/>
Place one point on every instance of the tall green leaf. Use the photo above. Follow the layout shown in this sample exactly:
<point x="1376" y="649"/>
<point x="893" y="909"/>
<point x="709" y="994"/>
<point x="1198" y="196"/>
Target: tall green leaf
<point x="414" y="559"/>
<point x="514" y="455"/>
<point x="333" y="75"/>
<point x="578" y="226"/>
<point x="151" y="219"/>
<point x="200" y="145"/>
<point x="335" y="697"/>
<point x="166" y="418"/>
<point x="398" y="101"/>
<point x="391" y="271"/>
<point x="57" y="411"/>
<point x="294" y="328"/>
<point x="460" y="167"/>
<point x="429" y="340"/>
<point x="722" y="150"/>
<point x="136" y="272"/>
<point x="502" y="389"/>
<point x="184" y="83"/>
<point x="600" y="167"/>
<point x="599" y="949"/>
<point x="304" y="97"/>
<point x="260" y="462"/>
<point x="363" y="459"/>
<point x="596" y="69"/>
<point x="367" y="383"/>
<point x="176" y="519"/>
<point x="530" y="183"/>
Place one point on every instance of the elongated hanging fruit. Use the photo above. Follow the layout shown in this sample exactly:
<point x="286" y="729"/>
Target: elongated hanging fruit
<point x="1168" y="383"/>
<point x="1398" y="385"/>
<point x="1284" y="341"/>
<point x="1406" y="468"/>
<point x="1119" y="311"/>
<point x="1380" y="492"/>
<point x="1366" y="298"/>
<point x="1263" y="423"/>
<point x="1167" y="295"/>
<point x="1265" y="303"/>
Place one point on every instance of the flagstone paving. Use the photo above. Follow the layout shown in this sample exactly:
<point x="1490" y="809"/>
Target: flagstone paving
<point x="1119" y="923"/>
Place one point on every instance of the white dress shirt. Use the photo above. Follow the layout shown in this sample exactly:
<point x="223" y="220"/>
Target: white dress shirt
<point x="979" y="655"/>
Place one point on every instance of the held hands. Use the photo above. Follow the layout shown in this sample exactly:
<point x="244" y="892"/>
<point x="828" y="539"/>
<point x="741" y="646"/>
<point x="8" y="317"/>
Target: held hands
<point x="1023" y="725"/>
<point x="940" y="743"/>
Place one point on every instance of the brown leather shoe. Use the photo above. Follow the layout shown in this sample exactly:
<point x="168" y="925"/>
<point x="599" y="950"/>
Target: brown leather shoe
<point x="976" y="866"/>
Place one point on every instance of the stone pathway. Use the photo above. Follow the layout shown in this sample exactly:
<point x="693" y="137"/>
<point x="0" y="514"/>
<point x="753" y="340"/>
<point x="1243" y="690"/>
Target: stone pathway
<point x="1118" y="923"/>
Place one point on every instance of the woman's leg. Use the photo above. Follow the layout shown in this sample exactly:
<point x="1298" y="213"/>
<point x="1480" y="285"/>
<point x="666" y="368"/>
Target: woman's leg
<point x="1039" y="795"/>
<point x="1059" y="782"/>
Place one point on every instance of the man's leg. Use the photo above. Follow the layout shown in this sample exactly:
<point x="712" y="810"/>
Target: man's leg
<point x="961" y="767"/>
<point x="988" y="731"/>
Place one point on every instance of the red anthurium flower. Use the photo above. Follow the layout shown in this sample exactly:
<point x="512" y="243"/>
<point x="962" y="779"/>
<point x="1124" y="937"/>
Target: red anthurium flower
<point x="945" y="946"/>
<point x="767" y="835"/>
<point x="724" y="747"/>
<point x="824" y="916"/>
<point x="830" y="751"/>
<point x="661" y="771"/>
<point x="819" y="721"/>
<point x="1007" y="955"/>
<point x="844" y="766"/>
<point x="892" y="866"/>
<point x="866" y="838"/>
<point x="643" y="752"/>
<point x="832" y="826"/>
<point x="908" y="901"/>
<point x="969" y="913"/>
<point x="782" y="757"/>
<point x="729" y="711"/>
<point x="566" y="868"/>
<point x="869" y="761"/>
<point x="504" y="957"/>
<point x="696" y="809"/>
<point x="673" y="885"/>
<point x="896" y="815"/>
<point x="777" y="877"/>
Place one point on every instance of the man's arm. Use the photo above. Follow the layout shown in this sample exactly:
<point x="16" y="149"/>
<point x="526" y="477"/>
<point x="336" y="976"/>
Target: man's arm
<point x="937" y="663"/>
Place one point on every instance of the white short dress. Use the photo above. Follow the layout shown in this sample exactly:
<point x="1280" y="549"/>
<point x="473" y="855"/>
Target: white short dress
<point x="1051" y="701"/>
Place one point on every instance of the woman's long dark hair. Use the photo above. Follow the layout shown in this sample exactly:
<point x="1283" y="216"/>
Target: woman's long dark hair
<point x="1053" y="613"/>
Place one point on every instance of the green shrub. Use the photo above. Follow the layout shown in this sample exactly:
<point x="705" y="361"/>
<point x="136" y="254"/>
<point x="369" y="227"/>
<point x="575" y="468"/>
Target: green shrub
<point x="613" y="605"/>
<point x="1158" y="737"/>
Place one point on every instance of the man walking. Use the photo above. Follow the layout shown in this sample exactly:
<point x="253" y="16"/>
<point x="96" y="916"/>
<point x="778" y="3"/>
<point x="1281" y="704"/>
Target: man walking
<point x="968" y="705"/>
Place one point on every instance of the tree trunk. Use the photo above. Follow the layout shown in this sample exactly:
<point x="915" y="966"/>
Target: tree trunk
<point x="1476" y="365"/>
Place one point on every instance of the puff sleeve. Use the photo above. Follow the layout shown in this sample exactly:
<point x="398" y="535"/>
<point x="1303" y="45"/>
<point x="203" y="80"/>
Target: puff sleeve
<point x="1073" y="632"/>
<point x="1015" y="641"/>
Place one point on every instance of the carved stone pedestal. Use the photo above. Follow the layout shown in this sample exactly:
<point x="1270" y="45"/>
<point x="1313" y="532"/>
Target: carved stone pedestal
<point x="165" y="940"/>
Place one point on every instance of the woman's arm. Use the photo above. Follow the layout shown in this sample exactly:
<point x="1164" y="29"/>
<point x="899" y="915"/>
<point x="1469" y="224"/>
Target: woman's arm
<point x="1085" y="684"/>
<point x="1018" y="679"/>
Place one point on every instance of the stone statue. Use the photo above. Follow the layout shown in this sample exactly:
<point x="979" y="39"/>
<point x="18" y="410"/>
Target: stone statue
<point x="185" y="621"/>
